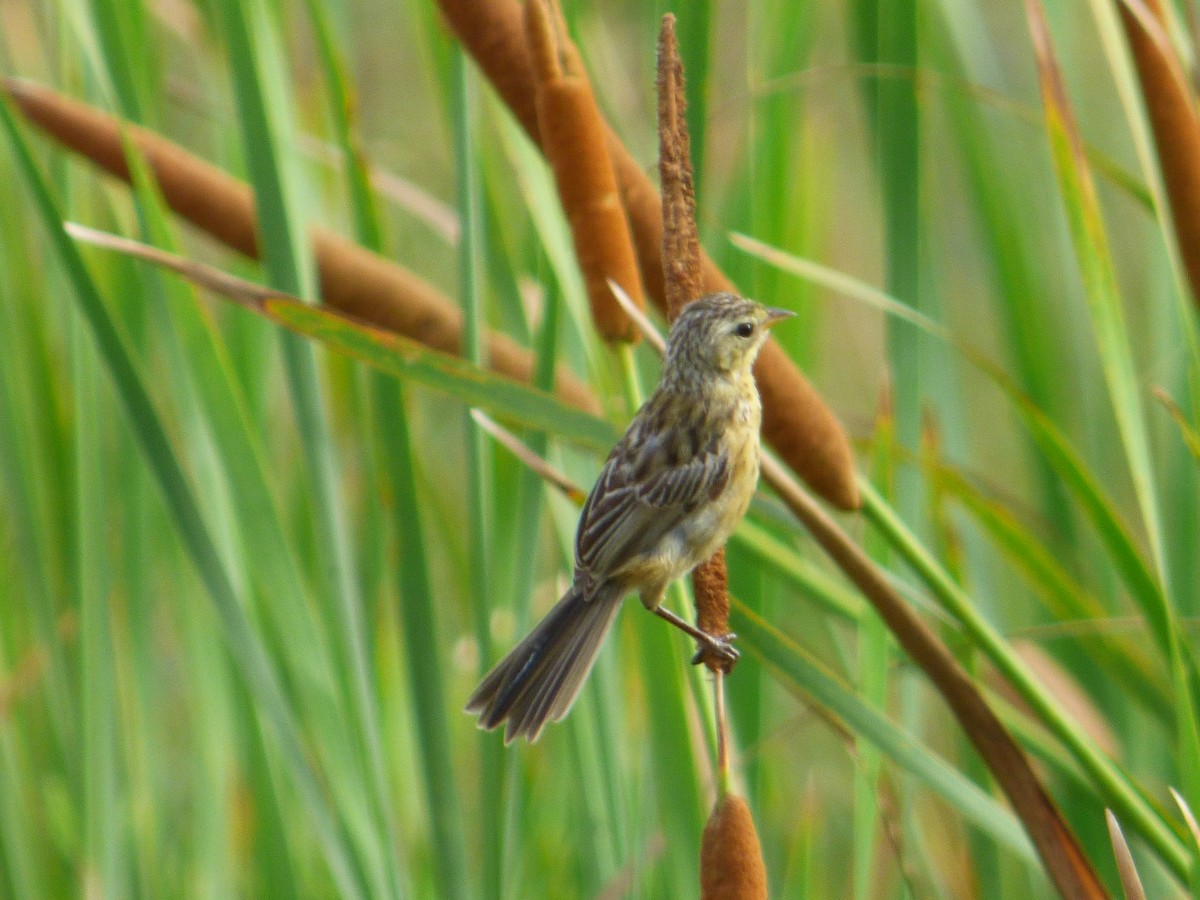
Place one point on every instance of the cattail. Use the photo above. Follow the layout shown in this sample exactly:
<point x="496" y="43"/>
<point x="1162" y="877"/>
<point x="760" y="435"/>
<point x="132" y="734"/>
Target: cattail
<point x="683" y="280"/>
<point x="710" y="587"/>
<point x="1171" y="106"/>
<point x="574" y="139"/>
<point x="731" y="864"/>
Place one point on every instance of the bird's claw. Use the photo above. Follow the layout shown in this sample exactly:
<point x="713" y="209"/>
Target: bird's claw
<point x="717" y="651"/>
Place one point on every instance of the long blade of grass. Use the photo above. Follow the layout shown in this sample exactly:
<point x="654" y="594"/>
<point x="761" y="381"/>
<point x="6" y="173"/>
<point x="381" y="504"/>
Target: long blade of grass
<point x="888" y="34"/>
<point x="113" y="20"/>
<point x="209" y="385"/>
<point x="423" y="655"/>
<point x="480" y="486"/>
<point x="385" y="350"/>
<point x="1022" y="299"/>
<point x="214" y="404"/>
<point x="18" y="849"/>
<point x="1169" y="115"/>
<point x="92" y="574"/>
<point x="1066" y="599"/>
<point x="874" y="660"/>
<point x="33" y="454"/>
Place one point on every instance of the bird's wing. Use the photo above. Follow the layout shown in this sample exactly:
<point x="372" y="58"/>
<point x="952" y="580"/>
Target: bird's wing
<point x="626" y="515"/>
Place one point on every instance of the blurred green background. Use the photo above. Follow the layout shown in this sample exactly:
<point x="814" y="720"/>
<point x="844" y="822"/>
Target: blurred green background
<point x="246" y="584"/>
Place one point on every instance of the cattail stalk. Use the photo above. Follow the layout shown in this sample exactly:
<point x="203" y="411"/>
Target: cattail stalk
<point x="731" y="864"/>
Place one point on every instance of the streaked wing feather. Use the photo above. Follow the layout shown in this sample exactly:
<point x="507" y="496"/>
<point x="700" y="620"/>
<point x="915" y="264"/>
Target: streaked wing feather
<point x="623" y="519"/>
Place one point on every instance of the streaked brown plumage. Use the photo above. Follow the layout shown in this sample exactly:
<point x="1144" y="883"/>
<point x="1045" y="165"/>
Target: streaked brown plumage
<point x="670" y="493"/>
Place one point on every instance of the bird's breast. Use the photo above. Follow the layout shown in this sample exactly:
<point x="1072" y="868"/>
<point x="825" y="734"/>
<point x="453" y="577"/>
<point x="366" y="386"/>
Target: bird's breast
<point x="703" y="533"/>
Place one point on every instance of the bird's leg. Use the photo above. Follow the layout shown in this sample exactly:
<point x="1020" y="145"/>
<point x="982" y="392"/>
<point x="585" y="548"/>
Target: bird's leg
<point x="721" y="646"/>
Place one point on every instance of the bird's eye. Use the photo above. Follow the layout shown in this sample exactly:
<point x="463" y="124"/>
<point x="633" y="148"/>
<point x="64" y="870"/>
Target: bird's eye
<point x="744" y="329"/>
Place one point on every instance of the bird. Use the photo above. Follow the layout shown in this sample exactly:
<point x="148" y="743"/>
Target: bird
<point x="669" y="495"/>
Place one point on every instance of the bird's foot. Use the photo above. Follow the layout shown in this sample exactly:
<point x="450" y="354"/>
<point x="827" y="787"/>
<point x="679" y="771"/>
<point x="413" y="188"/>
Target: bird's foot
<point x="716" y="651"/>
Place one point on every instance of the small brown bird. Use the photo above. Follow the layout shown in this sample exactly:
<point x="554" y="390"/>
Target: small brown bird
<point x="670" y="493"/>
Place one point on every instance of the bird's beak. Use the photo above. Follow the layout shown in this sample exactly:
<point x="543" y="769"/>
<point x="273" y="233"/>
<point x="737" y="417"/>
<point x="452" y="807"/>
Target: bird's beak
<point x="776" y="315"/>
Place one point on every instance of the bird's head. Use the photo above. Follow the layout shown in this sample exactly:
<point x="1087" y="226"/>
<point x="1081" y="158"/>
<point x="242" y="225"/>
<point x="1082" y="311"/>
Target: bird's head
<point x="720" y="334"/>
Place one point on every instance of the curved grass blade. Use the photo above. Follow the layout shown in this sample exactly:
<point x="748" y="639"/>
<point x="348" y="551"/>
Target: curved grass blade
<point x="1189" y="433"/>
<point x="1188" y="817"/>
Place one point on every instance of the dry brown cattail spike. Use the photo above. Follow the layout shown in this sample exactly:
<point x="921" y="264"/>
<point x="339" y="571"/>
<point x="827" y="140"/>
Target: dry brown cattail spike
<point x="353" y="279"/>
<point x="575" y="143"/>
<point x="1171" y="107"/>
<point x="731" y="866"/>
<point x="683" y="279"/>
<point x="796" y="421"/>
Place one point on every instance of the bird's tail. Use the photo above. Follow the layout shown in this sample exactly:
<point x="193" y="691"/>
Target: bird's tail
<point x="541" y="677"/>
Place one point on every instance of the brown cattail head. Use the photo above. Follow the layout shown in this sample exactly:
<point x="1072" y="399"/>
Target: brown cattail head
<point x="575" y="141"/>
<point x="495" y="36"/>
<point x="212" y="199"/>
<point x="731" y="863"/>
<point x="1171" y="107"/>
